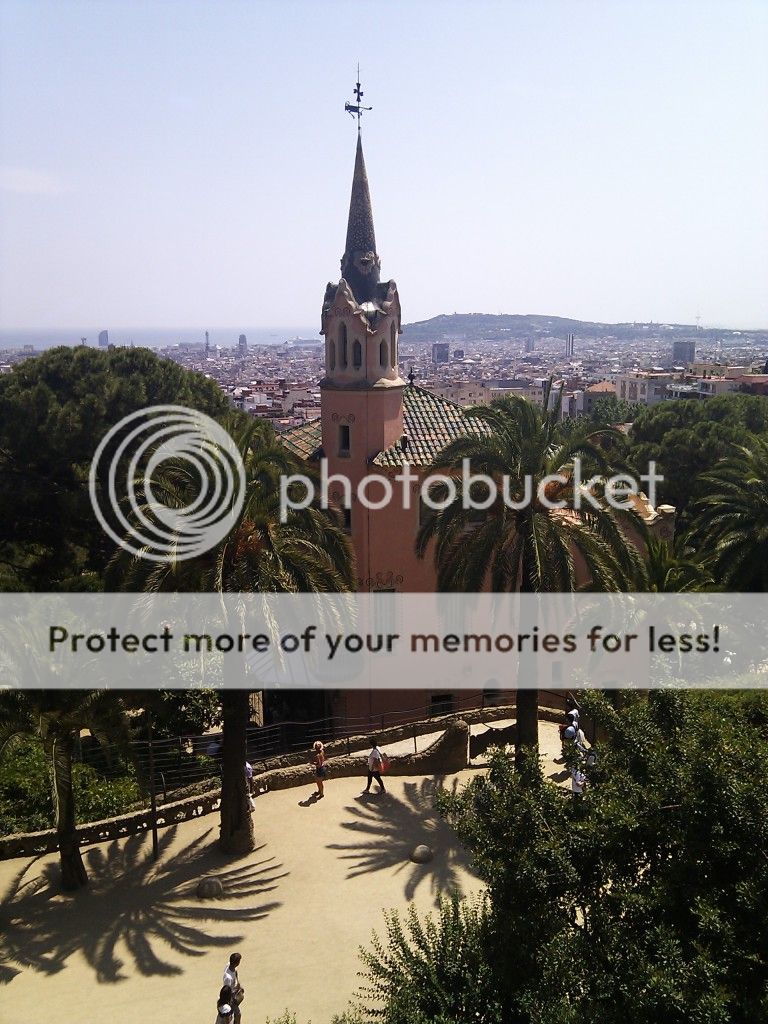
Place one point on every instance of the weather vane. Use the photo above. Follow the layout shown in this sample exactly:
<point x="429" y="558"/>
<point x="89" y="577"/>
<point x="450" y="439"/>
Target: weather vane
<point x="356" y="109"/>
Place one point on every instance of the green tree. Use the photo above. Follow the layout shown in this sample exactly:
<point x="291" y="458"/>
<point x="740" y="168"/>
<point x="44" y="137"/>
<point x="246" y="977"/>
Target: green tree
<point x="669" y="569"/>
<point x="646" y="901"/>
<point x="56" y="717"/>
<point x="730" y="527"/>
<point x="686" y="438"/>
<point x="610" y="411"/>
<point x="54" y="411"/>
<point x="532" y="548"/>
<point x="309" y="552"/>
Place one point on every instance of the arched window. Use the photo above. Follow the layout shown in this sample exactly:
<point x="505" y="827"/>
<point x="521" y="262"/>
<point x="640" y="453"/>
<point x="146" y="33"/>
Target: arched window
<point x="393" y="343"/>
<point x="383" y="354"/>
<point x="357" y="355"/>
<point x="331" y="355"/>
<point x="343" y="358"/>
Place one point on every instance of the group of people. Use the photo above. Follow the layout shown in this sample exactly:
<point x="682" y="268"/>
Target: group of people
<point x="571" y="733"/>
<point x="377" y="763"/>
<point x="231" y="994"/>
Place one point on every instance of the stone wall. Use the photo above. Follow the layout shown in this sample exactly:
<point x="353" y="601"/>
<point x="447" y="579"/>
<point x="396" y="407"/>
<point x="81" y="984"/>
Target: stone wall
<point x="448" y="754"/>
<point x="34" y="843"/>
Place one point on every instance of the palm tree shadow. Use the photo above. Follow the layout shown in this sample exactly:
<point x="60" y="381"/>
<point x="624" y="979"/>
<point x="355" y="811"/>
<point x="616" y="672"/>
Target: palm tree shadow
<point x="25" y="942"/>
<point x="391" y="828"/>
<point x="149" y="907"/>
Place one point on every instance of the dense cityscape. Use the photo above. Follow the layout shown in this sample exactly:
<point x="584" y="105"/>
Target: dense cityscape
<point x="472" y="364"/>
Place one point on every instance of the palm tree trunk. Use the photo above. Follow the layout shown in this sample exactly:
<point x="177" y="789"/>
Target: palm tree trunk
<point x="527" y="710"/>
<point x="73" y="873"/>
<point x="236" y="819"/>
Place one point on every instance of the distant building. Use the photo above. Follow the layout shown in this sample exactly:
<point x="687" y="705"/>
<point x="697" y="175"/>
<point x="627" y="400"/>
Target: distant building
<point x="458" y="353"/>
<point x="103" y="339"/>
<point x="702" y="387"/>
<point x="643" y="386"/>
<point x="441" y="352"/>
<point x="588" y="399"/>
<point x="207" y="345"/>
<point x="530" y="344"/>
<point x="569" y="346"/>
<point x="242" y="345"/>
<point x="683" y="352"/>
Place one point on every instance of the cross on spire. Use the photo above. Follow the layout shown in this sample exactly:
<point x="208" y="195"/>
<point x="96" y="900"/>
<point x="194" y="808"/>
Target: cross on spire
<point x="356" y="109"/>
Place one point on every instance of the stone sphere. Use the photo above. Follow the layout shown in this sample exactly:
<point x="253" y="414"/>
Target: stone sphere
<point x="209" y="888"/>
<point x="422" y="854"/>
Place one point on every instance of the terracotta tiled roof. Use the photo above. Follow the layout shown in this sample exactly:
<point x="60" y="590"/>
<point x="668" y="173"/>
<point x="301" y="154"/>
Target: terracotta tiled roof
<point x="603" y="386"/>
<point x="304" y="440"/>
<point x="429" y="424"/>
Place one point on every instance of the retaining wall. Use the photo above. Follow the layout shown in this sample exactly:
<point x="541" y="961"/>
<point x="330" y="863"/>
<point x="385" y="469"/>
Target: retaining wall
<point x="448" y="754"/>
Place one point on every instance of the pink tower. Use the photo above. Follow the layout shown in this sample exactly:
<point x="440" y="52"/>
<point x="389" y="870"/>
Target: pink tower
<point x="362" y="390"/>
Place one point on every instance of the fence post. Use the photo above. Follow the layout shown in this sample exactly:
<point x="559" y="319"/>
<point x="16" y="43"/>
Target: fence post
<point x="152" y="793"/>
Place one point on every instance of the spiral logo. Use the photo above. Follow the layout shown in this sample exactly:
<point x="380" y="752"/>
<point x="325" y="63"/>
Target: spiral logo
<point x="201" y="451"/>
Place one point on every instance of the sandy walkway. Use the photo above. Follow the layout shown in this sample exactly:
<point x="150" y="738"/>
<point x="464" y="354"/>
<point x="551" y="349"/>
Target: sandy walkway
<point x="137" y="945"/>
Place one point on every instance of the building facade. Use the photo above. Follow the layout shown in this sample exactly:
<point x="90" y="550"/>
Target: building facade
<point x="376" y="428"/>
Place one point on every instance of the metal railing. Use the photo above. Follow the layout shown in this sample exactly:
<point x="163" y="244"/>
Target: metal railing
<point x="182" y="761"/>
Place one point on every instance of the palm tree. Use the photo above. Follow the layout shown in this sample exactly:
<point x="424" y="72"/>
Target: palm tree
<point x="534" y="548"/>
<point x="669" y="570"/>
<point x="730" y="527"/>
<point x="309" y="552"/>
<point x="56" y="717"/>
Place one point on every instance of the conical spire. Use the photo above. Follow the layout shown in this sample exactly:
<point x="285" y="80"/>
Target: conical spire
<point x="360" y="233"/>
<point x="360" y="264"/>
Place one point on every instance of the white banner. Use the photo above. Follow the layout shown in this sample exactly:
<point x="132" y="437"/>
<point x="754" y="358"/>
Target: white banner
<point x="386" y="640"/>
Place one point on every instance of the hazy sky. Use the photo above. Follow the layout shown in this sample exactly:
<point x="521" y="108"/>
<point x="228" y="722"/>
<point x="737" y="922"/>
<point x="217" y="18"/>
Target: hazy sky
<point x="189" y="163"/>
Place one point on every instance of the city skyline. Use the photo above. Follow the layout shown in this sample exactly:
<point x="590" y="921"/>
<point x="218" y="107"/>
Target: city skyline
<point x="167" y="165"/>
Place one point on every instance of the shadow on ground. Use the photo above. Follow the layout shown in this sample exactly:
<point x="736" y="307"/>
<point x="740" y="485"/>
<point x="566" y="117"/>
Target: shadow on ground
<point x="149" y="907"/>
<point x="480" y="743"/>
<point x="388" y="829"/>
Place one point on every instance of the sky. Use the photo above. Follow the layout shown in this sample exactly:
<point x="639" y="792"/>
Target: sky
<point x="176" y="163"/>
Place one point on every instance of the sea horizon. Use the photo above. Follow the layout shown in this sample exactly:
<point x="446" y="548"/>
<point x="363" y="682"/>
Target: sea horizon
<point x="151" y="337"/>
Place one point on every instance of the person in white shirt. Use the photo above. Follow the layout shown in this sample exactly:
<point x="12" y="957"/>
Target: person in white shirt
<point x="578" y="778"/>
<point x="231" y="979"/>
<point x="375" y="761"/>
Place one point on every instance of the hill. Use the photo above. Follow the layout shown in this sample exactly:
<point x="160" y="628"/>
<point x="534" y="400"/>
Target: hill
<point x="516" y="326"/>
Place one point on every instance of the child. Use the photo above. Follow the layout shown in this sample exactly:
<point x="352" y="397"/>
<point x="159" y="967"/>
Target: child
<point x="320" y="769"/>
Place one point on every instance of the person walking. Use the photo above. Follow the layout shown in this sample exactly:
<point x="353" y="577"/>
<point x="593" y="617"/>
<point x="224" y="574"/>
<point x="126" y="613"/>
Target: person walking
<point x="375" y="763"/>
<point x="224" y="1010"/>
<point x="321" y="771"/>
<point x="232" y="982"/>
<point x="249" y="781"/>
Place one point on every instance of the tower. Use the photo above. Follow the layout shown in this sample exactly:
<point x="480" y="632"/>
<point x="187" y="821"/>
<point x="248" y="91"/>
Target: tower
<point x="242" y="346"/>
<point x="362" y="390"/>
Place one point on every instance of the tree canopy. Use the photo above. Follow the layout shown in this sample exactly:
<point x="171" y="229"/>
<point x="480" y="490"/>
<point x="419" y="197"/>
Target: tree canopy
<point x="54" y="411"/>
<point x="686" y="438"/>
<point x="646" y="901"/>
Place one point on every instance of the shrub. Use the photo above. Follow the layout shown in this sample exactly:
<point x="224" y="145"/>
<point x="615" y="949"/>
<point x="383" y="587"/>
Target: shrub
<point x="435" y="971"/>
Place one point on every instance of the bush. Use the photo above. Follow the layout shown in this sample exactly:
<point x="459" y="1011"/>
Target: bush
<point x="97" y="797"/>
<point x="435" y="971"/>
<point x="26" y="801"/>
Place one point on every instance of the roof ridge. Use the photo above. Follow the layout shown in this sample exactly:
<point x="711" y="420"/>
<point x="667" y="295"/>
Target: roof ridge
<point x="433" y="396"/>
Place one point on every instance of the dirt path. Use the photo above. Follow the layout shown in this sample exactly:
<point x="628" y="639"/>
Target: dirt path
<point x="137" y="945"/>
